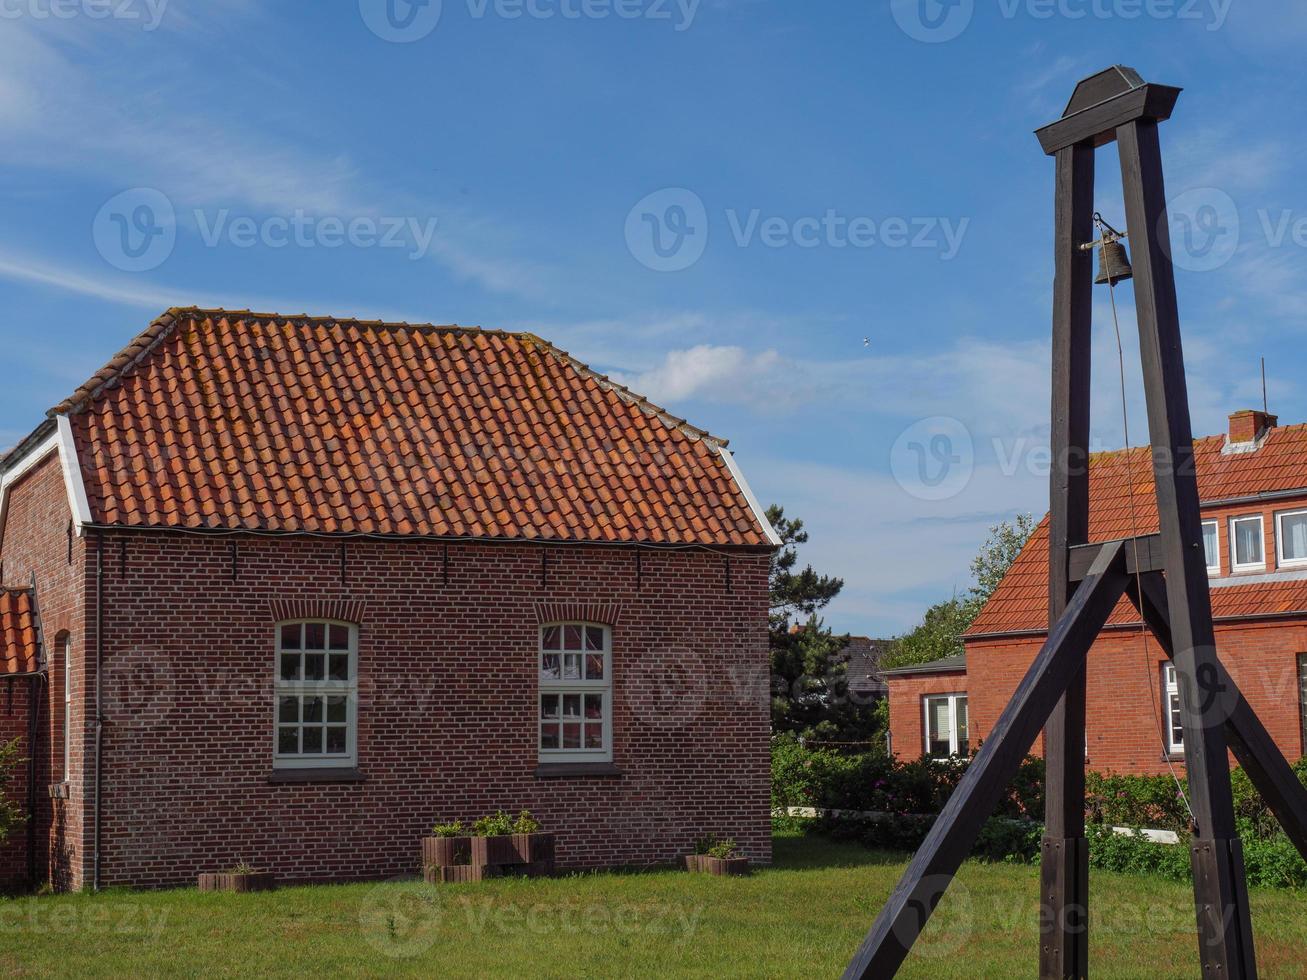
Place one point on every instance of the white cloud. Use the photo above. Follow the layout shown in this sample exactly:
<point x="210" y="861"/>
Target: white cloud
<point x="708" y="371"/>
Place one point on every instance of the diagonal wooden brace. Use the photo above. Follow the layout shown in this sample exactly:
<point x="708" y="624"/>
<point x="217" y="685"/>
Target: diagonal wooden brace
<point x="1250" y="742"/>
<point x="950" y="839"/>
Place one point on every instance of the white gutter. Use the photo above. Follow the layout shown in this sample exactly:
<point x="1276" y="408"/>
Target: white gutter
<point x="743" y="484"/>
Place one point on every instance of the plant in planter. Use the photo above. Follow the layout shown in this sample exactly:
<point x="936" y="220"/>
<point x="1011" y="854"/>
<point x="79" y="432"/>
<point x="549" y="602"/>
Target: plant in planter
<point x="449" y="845"/>
<point x="717" y="856"/>
<point x="504" y="841"/>
<point x="702" y="845"/>
<point x="241" y="878"/>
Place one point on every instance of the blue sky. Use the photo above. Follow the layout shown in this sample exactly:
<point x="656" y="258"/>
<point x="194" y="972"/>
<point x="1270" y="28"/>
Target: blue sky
<point x="821" y="230"/>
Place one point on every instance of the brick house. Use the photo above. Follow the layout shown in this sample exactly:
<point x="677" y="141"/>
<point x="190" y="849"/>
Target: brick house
<point x="287" y="590"/>
<point x="1252" y="482"/>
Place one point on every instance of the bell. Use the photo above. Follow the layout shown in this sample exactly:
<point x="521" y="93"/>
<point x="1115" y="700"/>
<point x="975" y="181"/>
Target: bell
<point x="1113" y="263"/>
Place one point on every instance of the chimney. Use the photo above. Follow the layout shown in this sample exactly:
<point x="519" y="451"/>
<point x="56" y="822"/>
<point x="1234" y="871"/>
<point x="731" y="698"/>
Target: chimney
<point x="1249" y="425"/>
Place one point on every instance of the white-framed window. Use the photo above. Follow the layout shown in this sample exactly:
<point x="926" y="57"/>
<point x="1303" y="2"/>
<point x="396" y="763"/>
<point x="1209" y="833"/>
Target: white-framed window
<point x="66" y="662"/>
<point x="946" y="725"/>
<point x="1171" y="710"/>
<point x="316" y="700"/>
<point x="576" y="693"/>
<point x="1247" y="543"/>
<point x="1291" y="538"/>
<point x="1212" y="546"/>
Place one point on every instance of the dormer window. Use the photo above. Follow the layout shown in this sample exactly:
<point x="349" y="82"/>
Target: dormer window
<point x="1291" y="538"/>
<point x="1247" y="542"/>
<point x="1212" y="546"/>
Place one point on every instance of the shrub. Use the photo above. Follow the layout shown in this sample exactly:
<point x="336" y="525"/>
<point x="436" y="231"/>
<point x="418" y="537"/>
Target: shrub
<point x="874" y="781"/>
<point x="1135" y="801"/>
<point x="454" y="829"/>
<point x="724" y="849"/>
<point x="11" y="814"/>
<point x="498" y="825"/>
<point x="525" y="823"/>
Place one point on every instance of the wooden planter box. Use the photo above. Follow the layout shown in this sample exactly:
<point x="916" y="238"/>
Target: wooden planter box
<point x="723" y="866"/>
<point x="457" y="873"/>
<point x="694" y="862"/>
<point x="254" y="881"/>
<point x="511" y="849"/>
<point x="444" y="852"/>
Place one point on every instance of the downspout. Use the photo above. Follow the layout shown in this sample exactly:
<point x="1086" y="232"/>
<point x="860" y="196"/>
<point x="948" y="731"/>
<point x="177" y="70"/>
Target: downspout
<point x="99" y="717"/>
<point x="34" y="701"/>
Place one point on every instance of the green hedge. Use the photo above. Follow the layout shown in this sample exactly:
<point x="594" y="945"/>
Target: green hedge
<point x="874" y="781"/>
<point x="906" y="793"/>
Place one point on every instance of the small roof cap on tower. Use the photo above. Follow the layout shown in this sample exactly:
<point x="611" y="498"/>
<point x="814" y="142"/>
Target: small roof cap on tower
<point x="1107" y="84"/>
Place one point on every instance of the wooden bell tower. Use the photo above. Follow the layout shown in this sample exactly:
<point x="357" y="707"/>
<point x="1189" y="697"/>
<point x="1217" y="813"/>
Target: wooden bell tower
<point x="1164" y="575"/>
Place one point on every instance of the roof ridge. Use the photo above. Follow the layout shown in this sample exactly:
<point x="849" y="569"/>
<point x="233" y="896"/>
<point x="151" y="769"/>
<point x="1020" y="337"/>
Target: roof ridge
<point x="145" y="343"/>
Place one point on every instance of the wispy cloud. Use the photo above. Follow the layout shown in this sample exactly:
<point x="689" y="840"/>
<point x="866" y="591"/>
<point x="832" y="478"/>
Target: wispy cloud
<point x="199" y="161"/>
<point x="133" y="292"/>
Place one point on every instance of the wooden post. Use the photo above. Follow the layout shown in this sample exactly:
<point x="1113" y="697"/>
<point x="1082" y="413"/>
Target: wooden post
<point x="1064" y="872"/>
<point x="953" y="833"/>
<point x="1220" y="893"/>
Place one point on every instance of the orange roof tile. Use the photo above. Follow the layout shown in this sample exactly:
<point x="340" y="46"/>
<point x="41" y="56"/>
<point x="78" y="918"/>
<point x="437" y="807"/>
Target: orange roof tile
<point x="235" y="420"/>
<point x="1277" y="466"/>
<point x="18" y="651"/>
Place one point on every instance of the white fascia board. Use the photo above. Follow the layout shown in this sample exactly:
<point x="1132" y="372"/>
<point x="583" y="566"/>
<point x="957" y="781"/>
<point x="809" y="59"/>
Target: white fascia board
<point x="61" y="442"/>
<point x="754" y="506"/>
<point x="77" y="502"/>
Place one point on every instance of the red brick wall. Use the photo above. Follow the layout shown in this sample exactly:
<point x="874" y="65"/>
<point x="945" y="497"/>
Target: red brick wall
<point x="906" y="717"/>
<point x="35" y="541"/>
<point x="448" y="700"/>
<point x="1123" y="696"/>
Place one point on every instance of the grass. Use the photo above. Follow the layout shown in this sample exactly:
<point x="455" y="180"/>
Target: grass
<point x="802" y="917"/>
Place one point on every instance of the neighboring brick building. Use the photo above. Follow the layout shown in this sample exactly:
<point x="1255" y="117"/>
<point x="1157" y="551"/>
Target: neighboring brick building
<point x="1253" y="487"/>
<point x="345" y="579"/>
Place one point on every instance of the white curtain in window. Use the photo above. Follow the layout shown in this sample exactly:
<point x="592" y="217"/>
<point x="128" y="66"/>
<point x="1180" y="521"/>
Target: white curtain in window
<point x="1248" y="542"/>
<point x="1294" y="529"/>
<point x="939" y="724"/>
<point x="1209" y="544"/>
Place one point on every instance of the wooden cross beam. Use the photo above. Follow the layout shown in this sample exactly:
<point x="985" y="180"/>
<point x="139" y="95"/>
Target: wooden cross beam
<point x="950" y="840"/>
<point x="1142" y="555"/>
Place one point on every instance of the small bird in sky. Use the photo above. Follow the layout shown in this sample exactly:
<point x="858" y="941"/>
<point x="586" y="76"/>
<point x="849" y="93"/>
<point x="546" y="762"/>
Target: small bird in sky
<point x="866" y="341"/>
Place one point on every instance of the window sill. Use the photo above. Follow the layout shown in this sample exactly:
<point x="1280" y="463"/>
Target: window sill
<point x="316" y="776"/>
<point x="578" y="770"/>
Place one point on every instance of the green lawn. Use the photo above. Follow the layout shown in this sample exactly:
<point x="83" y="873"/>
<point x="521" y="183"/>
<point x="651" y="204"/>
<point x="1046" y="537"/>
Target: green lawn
<point x="802" y="918"/>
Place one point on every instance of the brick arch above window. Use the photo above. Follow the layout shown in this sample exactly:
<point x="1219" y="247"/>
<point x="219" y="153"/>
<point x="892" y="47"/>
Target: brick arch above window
<point x="601" y="613"/>
<point x="339" y="610"/>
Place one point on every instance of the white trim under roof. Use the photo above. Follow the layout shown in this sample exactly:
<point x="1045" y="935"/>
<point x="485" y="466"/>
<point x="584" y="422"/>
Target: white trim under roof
<point x="754" y="506"/>
<point x="72" y="467"/>
<point x="60" y="441"/>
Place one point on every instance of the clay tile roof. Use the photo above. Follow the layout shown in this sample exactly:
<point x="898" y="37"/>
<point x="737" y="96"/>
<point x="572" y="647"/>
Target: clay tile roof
<point x="1277" y="466"/>
<point x="18" y="650"/>
<point x="215" y="419"/>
